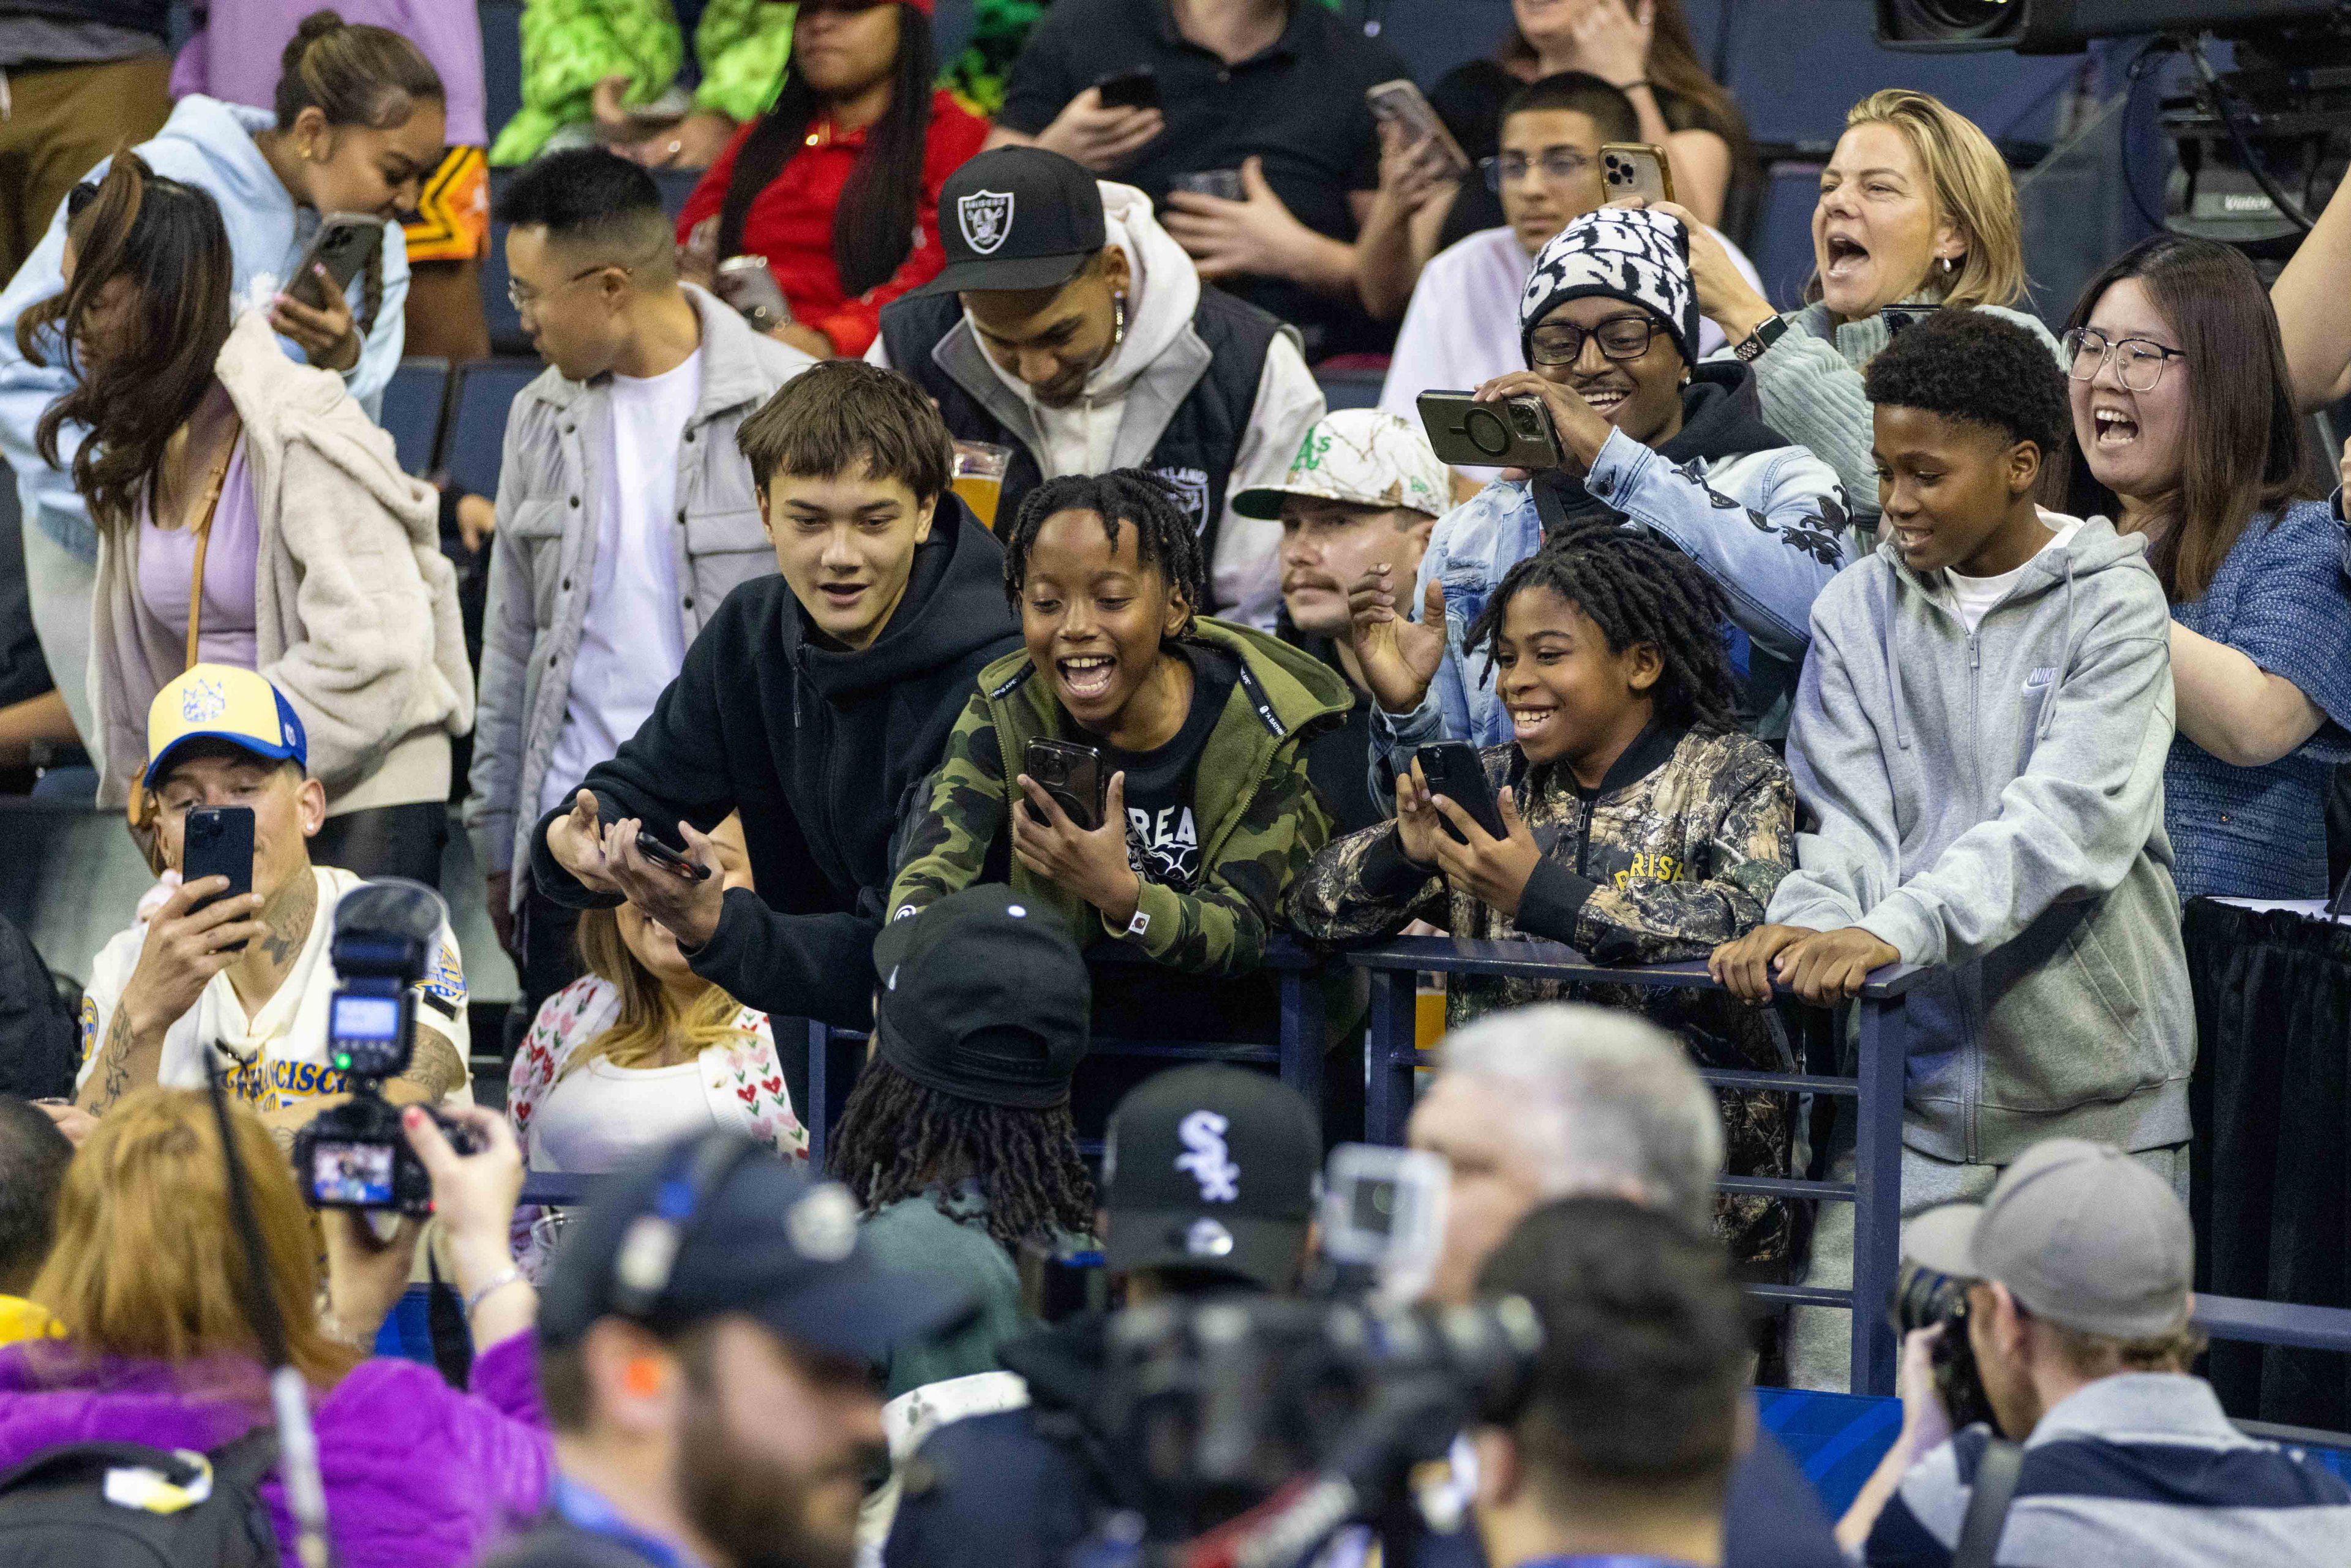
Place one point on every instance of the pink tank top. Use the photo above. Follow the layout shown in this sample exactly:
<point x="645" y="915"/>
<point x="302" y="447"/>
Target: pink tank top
<point x="167" y="559"/>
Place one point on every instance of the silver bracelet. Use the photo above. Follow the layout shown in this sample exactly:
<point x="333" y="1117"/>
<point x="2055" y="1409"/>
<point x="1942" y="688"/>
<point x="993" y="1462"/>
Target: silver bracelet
<point x="511" y="1277"/>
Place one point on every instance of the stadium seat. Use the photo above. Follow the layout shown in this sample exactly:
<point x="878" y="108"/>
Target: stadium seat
<point x="676" y="184"/>
<point x="1435" y="38"/>
<point x="478" y="420"/>
<point x="507" y="336"/>
<point x="501" y="61"/>
<point x="413" y="407"/>
<point x="1782" y="242"/>
<point x="1349" y="388"/>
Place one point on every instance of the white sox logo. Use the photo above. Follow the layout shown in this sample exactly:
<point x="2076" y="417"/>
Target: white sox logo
<point x="1208" y="1162"/>
<point x="986" y="219"/>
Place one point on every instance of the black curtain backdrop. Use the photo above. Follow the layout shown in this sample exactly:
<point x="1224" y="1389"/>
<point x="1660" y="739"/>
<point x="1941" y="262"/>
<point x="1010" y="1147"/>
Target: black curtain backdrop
<point x="2271" y="1159"/>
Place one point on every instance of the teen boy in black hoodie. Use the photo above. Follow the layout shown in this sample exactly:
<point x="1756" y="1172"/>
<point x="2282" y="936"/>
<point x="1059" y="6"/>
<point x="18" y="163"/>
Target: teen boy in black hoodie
<point x="812" y="703"/>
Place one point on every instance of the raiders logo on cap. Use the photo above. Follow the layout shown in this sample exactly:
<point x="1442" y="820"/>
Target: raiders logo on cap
<point x="986" y="219"/>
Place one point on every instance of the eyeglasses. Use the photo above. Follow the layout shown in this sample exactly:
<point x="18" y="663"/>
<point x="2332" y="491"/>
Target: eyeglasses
<point x="1559" y="166"/>
<point x="525" y="304"/>
<point x="2138" y="362"/>
<point x="1561" y="343"/>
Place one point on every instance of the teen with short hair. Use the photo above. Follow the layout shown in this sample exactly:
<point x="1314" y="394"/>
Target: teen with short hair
<point x="1644" y="824"/>
<point x="1982" y="733"/>
<point x="812" y="702"/>
<point x="1201" y="725"/>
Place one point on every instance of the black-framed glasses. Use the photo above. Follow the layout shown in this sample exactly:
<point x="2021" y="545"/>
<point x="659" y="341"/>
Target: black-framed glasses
<point x="1558" y="164"/>
<point x="2138" y="361"/>
<point x="1622" y="338"/>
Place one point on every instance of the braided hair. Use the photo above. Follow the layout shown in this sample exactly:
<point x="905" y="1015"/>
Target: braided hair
<point x="1166" y="537"/>
<point x="1637" y="588"/>
<point x="897" y="1138"/>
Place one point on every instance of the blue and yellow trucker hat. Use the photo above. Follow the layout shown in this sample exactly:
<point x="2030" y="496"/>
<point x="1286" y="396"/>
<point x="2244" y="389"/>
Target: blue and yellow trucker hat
<point x="221" y="702"/>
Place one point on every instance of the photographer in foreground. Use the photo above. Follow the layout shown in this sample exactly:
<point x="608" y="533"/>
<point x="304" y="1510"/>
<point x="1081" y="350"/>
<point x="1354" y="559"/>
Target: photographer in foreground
<point x="707" y="1357"/>
<point x="2077" y="1270"/>
<point x="248" y="978"/>
<point x="1637" y="1410"/>
<point x="151" y="1283"/>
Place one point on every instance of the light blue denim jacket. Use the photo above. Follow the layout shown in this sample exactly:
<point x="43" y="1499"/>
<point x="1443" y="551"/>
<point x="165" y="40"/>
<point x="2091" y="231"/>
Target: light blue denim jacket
<point x="1769" y="528"/>
<point x="208" y="144"/>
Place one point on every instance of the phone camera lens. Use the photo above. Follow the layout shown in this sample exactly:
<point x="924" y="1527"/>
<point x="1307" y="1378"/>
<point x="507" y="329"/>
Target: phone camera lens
<point x="1528" y="422"/>
<point x="1486" y="432"/>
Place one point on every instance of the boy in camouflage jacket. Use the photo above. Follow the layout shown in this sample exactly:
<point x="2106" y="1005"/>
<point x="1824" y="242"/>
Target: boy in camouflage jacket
<point x="1193" y="870"/>
<point x="1644" y="824"/>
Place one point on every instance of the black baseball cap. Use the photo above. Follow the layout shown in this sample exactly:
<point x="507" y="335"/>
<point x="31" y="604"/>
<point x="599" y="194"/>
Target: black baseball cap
<point x="762" y="1240"/>
<point x="984" y="997"/>
<point x="1019" y="217"/>
<point x="1212" y="1168"/>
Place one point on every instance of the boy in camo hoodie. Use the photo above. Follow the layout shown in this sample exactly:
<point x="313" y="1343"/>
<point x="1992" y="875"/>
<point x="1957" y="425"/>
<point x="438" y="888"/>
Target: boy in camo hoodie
<point x="1200" y="727"/>
<point x="1643" y="821"/>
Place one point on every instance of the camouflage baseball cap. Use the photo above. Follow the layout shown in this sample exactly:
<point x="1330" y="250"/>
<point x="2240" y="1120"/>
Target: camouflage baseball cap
<point x="1362" y="456"/>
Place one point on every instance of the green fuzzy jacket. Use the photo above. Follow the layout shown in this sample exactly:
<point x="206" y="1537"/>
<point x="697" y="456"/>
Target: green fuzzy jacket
<point x="1260" y="820"/>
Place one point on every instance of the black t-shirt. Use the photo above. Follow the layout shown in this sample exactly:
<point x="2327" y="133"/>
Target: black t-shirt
<point x="1298" y="104"/>
<point x="1163" y="839"/>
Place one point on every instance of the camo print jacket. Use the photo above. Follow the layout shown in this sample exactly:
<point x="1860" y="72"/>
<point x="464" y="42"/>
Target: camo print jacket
<point x="1260" y="820"/>
<point x="1677" y="851"/>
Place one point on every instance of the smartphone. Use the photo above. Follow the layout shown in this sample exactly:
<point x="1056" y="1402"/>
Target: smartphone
<point x="1902" y="318"/>
<point x="1402" y="103"/>
<point x="1137" y="89"/>
<point x="660" y="855"/>
<point x="1636" y="169"/>
<point x="1513" y="434"/>
<point x="345" y="244"/>
<point x="1225" y="185"/>
<point x="1453" y="769"/>
<point x="217" y="841"/>
<point x="744" y="282"/>
<point x="1073" y="776"/>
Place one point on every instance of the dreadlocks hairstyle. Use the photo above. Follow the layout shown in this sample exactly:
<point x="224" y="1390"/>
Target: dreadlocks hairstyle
<point x="1636" y="589"/>
<point x="1167" y="538"/>
<point x="896" y="1138"/>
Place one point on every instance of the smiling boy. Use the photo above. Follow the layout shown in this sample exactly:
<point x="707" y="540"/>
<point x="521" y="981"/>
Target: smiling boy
<point x="1981" y="734"/>
<point x="812" y="702"/>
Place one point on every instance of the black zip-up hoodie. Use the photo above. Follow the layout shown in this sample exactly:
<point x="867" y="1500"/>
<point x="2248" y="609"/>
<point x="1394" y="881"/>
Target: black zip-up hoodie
<point x="816" y="746"/>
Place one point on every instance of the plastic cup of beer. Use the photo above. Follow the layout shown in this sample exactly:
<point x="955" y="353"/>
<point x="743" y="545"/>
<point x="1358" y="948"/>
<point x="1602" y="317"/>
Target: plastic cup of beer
<point x="980" y="469"/>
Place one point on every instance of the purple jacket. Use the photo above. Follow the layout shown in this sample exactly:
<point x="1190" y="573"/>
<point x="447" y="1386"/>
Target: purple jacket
<point x="234" y="56"/>
<point x="418" y="1475"/>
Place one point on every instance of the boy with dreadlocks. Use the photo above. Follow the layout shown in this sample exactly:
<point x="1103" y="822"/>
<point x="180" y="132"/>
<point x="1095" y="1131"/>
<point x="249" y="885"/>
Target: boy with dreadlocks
<point x="1644" y="823"/>
<point x="1200" y="726"/>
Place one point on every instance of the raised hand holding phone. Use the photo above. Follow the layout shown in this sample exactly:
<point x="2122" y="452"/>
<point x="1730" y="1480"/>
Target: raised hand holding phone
<point x="686" y="905"/>
<point x="1092" y="864"/>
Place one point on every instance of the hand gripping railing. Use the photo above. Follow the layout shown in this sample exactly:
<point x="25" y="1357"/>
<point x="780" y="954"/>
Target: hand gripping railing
<point x="1875" y="1191"/>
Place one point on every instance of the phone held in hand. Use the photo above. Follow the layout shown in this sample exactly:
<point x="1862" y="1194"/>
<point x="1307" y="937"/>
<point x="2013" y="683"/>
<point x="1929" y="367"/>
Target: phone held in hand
<point x="1073" y="776"/>
<point x="1137" y="89"/>
<point x="1453" y="769"/>
<point x="217" y="841"/>
<point x="745" y="282"/>
<point x="1225" y="185"/>
<point x="1402" y="103"/>
<point x="1636" y="169"/>
<point x="662" y="855"/>
<point x="1516" y="432"/>
<point x="345" y="244"/>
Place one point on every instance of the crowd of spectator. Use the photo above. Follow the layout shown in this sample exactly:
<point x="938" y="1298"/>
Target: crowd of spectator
<point x="926" y="593"/>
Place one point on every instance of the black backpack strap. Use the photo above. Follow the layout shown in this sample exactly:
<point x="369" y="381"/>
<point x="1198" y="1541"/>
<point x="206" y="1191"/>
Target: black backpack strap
<point x="95" y="1459"/>
<point x="245" y="1464"/>
<point x="1995" y="1488"/>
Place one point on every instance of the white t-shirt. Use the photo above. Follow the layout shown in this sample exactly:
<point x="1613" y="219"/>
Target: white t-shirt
<point x="599" y="1118"/>
<point x="1973" y="597"/>
<point x="276" y="1057"/>
<point x="632" y="638"/>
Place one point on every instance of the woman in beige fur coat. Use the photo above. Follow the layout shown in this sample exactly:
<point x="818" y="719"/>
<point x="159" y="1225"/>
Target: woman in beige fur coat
<point x="215" y="459"/>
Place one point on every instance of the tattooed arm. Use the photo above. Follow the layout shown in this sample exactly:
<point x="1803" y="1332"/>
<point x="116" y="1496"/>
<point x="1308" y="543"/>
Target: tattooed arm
<point x="179" y="958"/>
<point x="433" y="1072"/>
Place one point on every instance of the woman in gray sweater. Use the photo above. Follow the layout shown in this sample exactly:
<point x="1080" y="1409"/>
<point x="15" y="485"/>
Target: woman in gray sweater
<point x="1916" y="209"/>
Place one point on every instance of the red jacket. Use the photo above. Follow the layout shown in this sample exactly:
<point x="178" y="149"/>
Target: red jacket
<point x="790" y="222"/>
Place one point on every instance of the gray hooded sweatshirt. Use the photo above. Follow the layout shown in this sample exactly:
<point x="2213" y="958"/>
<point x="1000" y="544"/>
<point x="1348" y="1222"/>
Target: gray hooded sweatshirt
<point x="1991" y="804"/>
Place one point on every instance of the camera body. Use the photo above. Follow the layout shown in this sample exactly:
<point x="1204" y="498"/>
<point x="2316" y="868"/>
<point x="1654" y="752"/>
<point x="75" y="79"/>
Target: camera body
<point x="1515" y="433"/>
<point x="355" y="1156"/>
<point x="1923" y="1298"/>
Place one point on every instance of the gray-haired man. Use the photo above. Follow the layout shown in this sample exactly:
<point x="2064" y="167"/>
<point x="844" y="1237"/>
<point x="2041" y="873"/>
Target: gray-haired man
<point x="1562" y="1100"/>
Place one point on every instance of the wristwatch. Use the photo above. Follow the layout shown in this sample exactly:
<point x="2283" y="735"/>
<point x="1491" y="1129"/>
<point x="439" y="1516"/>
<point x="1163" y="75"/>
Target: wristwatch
<point x="1756" y="344"/>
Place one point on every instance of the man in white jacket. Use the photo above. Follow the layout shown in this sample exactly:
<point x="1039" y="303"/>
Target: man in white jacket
<point x="1068" y="328"/>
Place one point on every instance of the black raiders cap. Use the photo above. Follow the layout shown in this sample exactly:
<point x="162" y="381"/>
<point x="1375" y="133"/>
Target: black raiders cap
<point x="1019" y="217"/>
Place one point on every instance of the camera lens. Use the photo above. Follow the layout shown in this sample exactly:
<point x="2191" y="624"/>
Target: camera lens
<point x="1486" y="432"/>
<point x="1527" y="418"/>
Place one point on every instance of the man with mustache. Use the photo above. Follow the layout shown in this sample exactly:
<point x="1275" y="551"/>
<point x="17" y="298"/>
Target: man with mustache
<point x="1363" y="492"/>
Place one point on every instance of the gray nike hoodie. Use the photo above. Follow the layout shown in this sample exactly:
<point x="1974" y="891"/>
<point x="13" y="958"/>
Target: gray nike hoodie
<point x="1991" y="804"/>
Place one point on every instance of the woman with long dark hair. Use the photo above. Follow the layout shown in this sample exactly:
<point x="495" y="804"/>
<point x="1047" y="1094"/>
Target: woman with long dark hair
<point x="2186" y="433"/>
<point x="248" y="513"/>
<point x="838" y="184"/>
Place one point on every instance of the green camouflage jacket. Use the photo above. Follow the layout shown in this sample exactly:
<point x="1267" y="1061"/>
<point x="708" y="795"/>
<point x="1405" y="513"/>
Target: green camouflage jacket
<point x="1676" y="851"/>
<point x="570" y="46"/>
<point x="1260" y="820"/>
